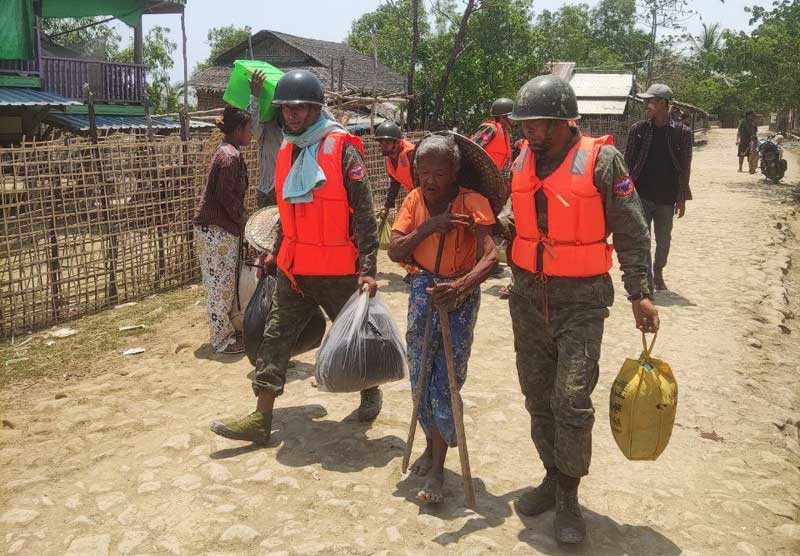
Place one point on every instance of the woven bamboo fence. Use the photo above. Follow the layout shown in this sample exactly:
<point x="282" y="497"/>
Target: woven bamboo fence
<point x="84" y="227"/>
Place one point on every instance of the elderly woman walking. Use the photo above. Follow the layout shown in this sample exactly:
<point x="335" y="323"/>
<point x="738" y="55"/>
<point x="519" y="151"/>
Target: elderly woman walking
<point x="439" y="206"/>
<point x="218" y="224"/>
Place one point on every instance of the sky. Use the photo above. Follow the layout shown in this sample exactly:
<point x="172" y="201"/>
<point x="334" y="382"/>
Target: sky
<point x="331" y="20"/>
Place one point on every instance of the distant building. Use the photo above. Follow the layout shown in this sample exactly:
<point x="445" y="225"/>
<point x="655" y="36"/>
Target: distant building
<point x="338" y="66"/>
<point x="42" y="82"/>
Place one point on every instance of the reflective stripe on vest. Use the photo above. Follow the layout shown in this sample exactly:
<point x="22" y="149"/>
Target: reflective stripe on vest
<point x="575" y="244"/>
<point x="402" y="173"/>
<point x="499" y="148"/>
<point x="316" y="235"/>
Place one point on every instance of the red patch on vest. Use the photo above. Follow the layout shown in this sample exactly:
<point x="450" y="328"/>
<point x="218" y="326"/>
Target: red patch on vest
<point x="357" y="171"/>
<point x="623" y="186"/>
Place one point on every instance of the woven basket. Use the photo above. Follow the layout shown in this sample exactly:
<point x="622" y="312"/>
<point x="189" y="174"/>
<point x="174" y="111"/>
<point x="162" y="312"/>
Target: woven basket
<point x="479" y="173"/>
<point x="258" y="230"/>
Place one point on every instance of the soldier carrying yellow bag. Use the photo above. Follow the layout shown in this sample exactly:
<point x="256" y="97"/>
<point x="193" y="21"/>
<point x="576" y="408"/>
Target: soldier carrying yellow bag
<point x="569" y="192"/>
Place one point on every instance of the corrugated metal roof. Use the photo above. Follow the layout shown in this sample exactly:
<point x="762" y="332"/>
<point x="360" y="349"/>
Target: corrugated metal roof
<point x="601" y="107"/>
<point x="562" y="69"/>
<point x="602" y="85"/>
<point x="80" y="122"/>
<point x="21" y="96"/>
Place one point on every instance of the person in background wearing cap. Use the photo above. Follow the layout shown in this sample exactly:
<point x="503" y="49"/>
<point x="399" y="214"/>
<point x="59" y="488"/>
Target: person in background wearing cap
<point x="569" y="192"/>
<point x="399" y="155"/>
<point x="319" y="177"/>
<point x="269" y="136"/>
<point x="659" y="156"/>
<point x="748" y="127"/>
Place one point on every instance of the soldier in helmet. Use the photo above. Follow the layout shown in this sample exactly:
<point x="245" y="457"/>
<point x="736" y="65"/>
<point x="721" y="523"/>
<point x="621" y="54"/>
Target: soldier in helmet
<point x="570" y="192"/>
<point x="493" y="134"/>
<point x="319" y="178"/>
<point x="495" y="138"/>
<point x="399" y="155"/>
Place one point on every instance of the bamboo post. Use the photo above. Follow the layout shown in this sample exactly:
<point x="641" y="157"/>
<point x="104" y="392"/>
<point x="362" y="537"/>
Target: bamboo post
<point x="458" y="408"/>
<point x="185" y="117"/>
<point x="110" y="238"/>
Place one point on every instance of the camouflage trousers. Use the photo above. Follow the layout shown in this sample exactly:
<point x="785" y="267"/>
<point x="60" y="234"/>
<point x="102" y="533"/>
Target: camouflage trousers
<point x="289" y="315"/>
<point x="558" y="328"/>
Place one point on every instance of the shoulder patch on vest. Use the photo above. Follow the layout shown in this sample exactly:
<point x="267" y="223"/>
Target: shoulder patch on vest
<point x="327" y="146"/>
<point x="357" y="172"/>
<point x="623" y="186"/>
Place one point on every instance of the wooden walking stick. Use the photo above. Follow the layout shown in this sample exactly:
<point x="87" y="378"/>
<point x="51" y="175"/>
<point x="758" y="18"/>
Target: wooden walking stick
<point x="458" y="408"/>
<point x="426" y="363"/>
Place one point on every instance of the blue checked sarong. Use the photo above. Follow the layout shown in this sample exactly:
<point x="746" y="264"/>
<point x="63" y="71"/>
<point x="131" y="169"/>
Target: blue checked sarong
<point x="435" y="407"/>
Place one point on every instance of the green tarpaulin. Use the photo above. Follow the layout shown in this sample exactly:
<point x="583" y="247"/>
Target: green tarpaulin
<point x="16" y="28"/>
<point x="128" y="11"/>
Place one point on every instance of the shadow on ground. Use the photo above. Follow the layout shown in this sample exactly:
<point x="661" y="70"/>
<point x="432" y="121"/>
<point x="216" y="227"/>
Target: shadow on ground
<point x="303" y="438"/>
<point x="672" y="299"/>
<point x="396" y="283"/>
<point x="606" y="537"/>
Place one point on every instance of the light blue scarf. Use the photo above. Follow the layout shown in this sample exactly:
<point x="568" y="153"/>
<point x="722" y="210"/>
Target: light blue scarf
<point x="306" y="175"/>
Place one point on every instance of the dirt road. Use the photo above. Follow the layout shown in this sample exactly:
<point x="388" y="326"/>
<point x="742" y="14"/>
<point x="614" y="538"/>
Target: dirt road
<point x="122" y="462"/>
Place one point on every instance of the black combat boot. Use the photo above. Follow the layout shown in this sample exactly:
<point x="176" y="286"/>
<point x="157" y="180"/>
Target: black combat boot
<point x="569" y="525"/>
<point x="541" y="498"/>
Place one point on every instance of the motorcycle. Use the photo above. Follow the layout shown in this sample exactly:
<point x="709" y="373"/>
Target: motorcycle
<point x="773" y="165"/>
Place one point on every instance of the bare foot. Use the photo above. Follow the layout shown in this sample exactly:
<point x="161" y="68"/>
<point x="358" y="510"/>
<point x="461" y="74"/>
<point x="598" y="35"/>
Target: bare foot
<point x="423" y="463"/>
<point x="433" y="491"/>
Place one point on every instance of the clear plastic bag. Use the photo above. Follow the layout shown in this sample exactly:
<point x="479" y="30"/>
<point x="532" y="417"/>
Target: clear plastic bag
<point x="362" y="349"/>
<point x="255" y="319"/>
<point x="248" y="282"/>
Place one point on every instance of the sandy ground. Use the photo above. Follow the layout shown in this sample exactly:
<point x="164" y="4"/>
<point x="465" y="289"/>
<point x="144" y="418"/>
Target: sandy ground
<point x="121" y="462"/>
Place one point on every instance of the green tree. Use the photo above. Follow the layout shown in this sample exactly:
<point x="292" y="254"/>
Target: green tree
<point x="391" y="25"/>
<point x="222" y="39"/>
<point x="501" y="54"/>
<point x="765" y="61"/>
<point x="158" y="57"/>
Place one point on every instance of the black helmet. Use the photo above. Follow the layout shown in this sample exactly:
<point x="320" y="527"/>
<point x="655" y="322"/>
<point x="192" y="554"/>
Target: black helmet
<point x="502" y="107"/>
<point x="299" y="87"/>
<point x="547" y="97"/>
<point x="388" y="130"/>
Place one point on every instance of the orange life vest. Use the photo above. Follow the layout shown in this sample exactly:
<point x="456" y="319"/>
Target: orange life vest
<point x="402" y="172"/>
<point x="316" y="235"/>
<point x="499" y="148"/>
<point x="575" y="244"/>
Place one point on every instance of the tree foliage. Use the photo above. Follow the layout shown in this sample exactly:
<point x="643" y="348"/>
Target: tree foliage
<point x="222" y="39"/>
<point x="506" y="43"/>
<point x="99" y="41"/>
<point x="157" y="55"/>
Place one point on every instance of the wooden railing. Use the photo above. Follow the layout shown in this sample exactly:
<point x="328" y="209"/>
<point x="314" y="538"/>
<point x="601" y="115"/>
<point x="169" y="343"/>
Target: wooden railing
<point x="109" y="82"/>
<point x="65" y="76"/>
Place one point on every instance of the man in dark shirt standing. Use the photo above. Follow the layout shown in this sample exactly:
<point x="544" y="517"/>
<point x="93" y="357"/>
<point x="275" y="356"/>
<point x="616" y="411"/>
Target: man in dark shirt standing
<point x="659" y="156"/>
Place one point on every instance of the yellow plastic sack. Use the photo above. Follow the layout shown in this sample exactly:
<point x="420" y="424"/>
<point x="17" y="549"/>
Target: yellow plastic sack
<point x="644" y="398"/>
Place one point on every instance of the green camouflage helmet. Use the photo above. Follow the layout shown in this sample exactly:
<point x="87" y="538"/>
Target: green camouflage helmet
<point x="547" y="97"/>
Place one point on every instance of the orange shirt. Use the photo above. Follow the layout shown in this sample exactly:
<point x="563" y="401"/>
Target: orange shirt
<point x="460" y="244"/>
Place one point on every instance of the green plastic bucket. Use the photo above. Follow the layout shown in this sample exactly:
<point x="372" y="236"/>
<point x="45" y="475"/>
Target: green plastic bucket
<point x="238" y="91"/>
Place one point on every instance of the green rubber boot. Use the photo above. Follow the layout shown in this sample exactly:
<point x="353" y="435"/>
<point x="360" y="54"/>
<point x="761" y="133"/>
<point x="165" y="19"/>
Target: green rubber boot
<point x="371" y="404"/>
<point x="541" y="498"/>
<point x="569" y="525"/>
<point x="255" y="428"/>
